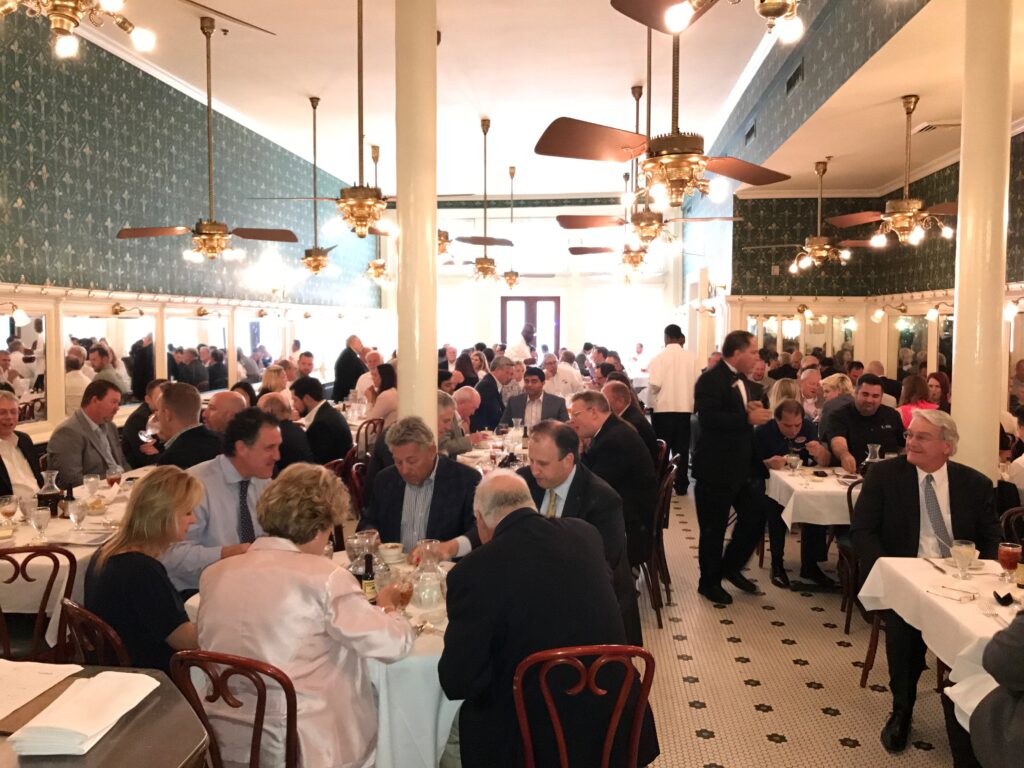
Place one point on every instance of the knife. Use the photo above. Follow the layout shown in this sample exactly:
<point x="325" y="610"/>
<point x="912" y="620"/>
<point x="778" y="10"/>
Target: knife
<point x="936" y="567"/>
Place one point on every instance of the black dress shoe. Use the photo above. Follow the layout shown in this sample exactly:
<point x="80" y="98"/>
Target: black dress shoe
<point x="896" y="731"/>
<point x="741" y="582"/>
<point x="815" y="574"/>
<point x="715" y="594"/>
<point x="780" y="578"/>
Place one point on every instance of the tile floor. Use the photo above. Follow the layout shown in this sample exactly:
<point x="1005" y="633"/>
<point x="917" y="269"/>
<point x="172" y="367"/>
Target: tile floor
<point x="771" y="680"/>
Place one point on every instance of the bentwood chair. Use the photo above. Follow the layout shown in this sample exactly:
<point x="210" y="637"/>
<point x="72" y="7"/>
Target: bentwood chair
<point x="23" y="636"/>
<point x="652" y="569"/>
<point x="1012" y="524"/>
<point x="366" y="436"/>
<point x="847" y="567"/>
<point x="662" y="463"/>
<point x="226" y="675"/>
<point x="90" y="640"/>
<point x="585" y="663"/>
<point x="357" y="487"/>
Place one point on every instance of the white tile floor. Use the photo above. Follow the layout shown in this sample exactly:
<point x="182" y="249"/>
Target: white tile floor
<point x="770" y="680"/>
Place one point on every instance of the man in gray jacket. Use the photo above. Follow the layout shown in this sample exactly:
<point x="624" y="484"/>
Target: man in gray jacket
<point x="86" y="442"/>
<point x="997" y="724"/>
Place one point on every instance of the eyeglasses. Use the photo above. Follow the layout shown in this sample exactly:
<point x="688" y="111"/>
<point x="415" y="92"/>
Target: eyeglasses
<point x="921" y="437"/>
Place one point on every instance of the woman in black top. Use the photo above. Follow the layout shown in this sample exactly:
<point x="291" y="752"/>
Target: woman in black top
<point x="464" y="365"/>
<point x="127" y="586"/>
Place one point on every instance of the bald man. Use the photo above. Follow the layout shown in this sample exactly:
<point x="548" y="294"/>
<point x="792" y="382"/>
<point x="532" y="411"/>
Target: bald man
<point x="373" y="359"/>
<point x="221" y="408"/>
<point x="457" y="438"/>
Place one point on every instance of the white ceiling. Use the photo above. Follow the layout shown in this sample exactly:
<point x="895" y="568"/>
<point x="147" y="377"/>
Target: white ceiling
<point x="520" y="62"/>
<point x="863" y="124"/>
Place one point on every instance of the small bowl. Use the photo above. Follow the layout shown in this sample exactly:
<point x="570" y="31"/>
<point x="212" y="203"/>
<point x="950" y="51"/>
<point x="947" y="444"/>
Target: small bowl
<point x="391" y="553"/>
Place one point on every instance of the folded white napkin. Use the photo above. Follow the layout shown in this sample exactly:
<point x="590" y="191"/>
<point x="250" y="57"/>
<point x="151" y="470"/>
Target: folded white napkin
<point x="82" y="715"/>
<point x="111" y="492"/>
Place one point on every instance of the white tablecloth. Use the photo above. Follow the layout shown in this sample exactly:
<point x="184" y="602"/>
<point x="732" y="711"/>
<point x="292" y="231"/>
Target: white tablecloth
<point x="957" y="633"/>
<point x="809" y="499"/>
<point x="414" y="715"/>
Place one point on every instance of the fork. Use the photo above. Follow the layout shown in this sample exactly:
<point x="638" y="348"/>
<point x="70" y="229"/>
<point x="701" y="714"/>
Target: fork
<point x="994" y="615"/>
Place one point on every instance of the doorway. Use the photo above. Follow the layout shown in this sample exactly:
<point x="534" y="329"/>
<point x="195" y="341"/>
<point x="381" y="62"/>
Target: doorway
<point x="542" y="312"/>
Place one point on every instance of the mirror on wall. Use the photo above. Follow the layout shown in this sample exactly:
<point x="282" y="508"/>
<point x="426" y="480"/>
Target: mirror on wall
<point x="770" y="339"/>
<point x="911" y="345"/>
<point x="321" y="340"/>
<point x="23" y="363"/>
<point x="119" y="349"/>
<point x="197" y="351"/>
<point x="944" y="362"/>
<point x="259" y="342"/>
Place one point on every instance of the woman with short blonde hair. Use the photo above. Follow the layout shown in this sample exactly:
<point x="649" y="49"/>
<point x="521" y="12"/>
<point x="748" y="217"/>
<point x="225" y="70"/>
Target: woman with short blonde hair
<point x="127" y="586"/>
<point x="308" y="500"/>
<point x="835" y="385"/>
<point x="274" y="380"/>
<point x="782" y="389"/>
<point x="837" y="391"/>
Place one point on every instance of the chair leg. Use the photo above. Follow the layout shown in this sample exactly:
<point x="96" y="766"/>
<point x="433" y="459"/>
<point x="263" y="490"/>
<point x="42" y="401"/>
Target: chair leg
<point x="653" y="592"/>
<point x="760" y="551"/>
<point x="869" y="660"/>
<point x="940" y="675"/>
<point x="666" y="577"/>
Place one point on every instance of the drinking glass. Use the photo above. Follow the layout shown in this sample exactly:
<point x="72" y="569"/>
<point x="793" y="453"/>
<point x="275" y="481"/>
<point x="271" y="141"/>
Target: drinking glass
<point x="91" y="483"/>
<point x="792" y="461"/>
<point x="963" y="553"/>
<point x="77" y="512"/>
<point x="114" y="475"/>
<point x="8" y="509"/>
<point x="1009" y="557"/>
<point x="148" y="434"/>
<point x="40" y="518"/>
<point x="352" y="547"/>
<point x="517" y="424"/>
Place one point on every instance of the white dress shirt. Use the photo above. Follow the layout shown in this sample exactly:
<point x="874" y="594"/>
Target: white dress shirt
<point x="518" y="350"/>
<point x="738" y="385"/>
<point x="363" y="383"/>
<point x="928" y="545"/>
<point x="308" y="418"/>
<point x="566" y="381"/>
<point x="75" y="383"/>
<point x="1017" y="474"/>
<point x="307" y="616"/>
<point x="672" y="376"/>
<point x="23" y="482"/>
<point x="532" y="413"/>
<point x="561" y="492"/>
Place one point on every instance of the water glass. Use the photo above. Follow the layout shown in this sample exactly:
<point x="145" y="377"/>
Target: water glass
<point x="77" y="511"/>
<point x="40" y="518"/>
<point x="963" y="553"/>
<point x="92" y="484"/>
<point x="426" y="590"/>
<point x="792" y="461"/>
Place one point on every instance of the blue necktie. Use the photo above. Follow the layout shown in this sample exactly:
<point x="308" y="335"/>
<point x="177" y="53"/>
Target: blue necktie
<point x="246" y="533"/>
<point x="931" y="505"/>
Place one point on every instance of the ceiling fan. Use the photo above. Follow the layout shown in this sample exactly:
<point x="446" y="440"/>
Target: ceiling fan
<point x="673" y="16"/>
<point x="226" y="17"/>
<point x="315" y="258"/>
<point x="210" y="238"/>
<point x="817" y="249"/>
<point x="905" y="217"/>
<point x="510" y="276"/>
<point x="483" y="266"/>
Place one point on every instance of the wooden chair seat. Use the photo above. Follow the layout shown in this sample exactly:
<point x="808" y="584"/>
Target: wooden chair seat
<point x="23" y="637"/>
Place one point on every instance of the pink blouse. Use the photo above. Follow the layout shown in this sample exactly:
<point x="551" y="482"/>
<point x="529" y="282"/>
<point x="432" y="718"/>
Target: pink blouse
<point x="909" y="408"/>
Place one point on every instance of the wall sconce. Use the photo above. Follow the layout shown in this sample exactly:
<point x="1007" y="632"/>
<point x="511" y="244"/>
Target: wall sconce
<point x="806" y="311"/>
<point x="933" y="314"/>
<point x="707" y="310"/>
<point x="1010" y="310"/>
<point x="202" y="312"/>
<point x="119" y="309"/>
<point x="21" y="318"/>
<point x="878" y="314"/>
<point x="261" y="313"/>
<point x="306" y="315"/>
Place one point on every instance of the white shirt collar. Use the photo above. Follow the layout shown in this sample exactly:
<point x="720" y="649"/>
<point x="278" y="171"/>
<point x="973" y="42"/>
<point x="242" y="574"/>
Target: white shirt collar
<point x="562" y="490"/>
<point x="308" y="418"/>
<point x="940" y="475"/>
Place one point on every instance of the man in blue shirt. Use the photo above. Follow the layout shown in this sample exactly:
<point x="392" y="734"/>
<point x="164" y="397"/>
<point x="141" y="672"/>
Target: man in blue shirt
<point x="790" y="431"/>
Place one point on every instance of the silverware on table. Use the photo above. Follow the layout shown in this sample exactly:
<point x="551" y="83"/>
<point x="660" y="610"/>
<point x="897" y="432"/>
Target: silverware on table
<point x="938" y="568"/>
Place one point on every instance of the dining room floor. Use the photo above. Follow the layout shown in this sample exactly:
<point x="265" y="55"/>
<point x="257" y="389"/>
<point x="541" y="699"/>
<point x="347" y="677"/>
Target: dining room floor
<point x="771" y="680"/>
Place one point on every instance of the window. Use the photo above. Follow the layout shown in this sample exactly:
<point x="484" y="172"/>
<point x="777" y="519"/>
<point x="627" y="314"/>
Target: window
<point x="542" y="312"/>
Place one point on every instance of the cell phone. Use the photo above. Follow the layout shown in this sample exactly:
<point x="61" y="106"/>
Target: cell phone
<point x="820" y="473"/>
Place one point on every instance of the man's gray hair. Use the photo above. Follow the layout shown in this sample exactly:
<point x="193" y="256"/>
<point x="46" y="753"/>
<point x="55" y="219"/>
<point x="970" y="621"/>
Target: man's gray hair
<point x="501" y="492"/>
<point x="411" y="430"/>
<point x="501" y="362"/>
<point x="942" y="420"/>
<point x="5" y="395"/>
<point x="444" y="401"/>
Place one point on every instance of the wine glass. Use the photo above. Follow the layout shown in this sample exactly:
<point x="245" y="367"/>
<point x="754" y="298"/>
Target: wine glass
<point x="1009" y="558"/>
<point x="92" y="484"/>
<point x="114" y="475"/>
<point x="148" y="435"/>
<point x="77" y="511"/>
<point x="792" y="461"/>
<point x="8" y="509"/>
<point x="963" y="553"/>
<point x="40" y="518"/>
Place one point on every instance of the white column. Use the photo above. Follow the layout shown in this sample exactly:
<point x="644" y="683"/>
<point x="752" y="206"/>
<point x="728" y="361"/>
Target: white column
<point x="416" y="190"/>
<point x="978" y="396"/>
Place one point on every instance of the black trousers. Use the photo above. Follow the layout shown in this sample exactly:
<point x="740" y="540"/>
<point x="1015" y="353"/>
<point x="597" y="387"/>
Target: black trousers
<point x="674" y="428"/>
<point x="812" y="538"/>
<point x="713" y="506"/>
<point x="959" y="739"/>
<point x="904" y="651"/>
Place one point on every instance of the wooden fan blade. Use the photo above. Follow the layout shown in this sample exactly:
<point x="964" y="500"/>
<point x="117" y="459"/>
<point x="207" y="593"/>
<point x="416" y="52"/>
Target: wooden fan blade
<point x="855" y="244"/>
<point x="651" y="13"/>
<point x="331" y="199"/>
<point x="771" y="247"/>
<point x="580" y="140"/>
<point x="227" y="17"/>
<point x="538" y="274"/>
<point x="378" y="232"/>
<point x="700" y="219"/>
<point x="132" y="232"/>
<point x="854" y="219"/>
<point x="943" y="209"/>
<point x="277" y="235"/>
<point x="579" y="250"/>
<point x="743" y="171"/>
<point x="484" y="241"/>
<point x="588" y="222"/>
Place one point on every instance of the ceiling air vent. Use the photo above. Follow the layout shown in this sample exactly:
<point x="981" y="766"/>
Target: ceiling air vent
<point x="796" y="78"/>
<point x="935" y="126"/>
<point x="751" y="133"/>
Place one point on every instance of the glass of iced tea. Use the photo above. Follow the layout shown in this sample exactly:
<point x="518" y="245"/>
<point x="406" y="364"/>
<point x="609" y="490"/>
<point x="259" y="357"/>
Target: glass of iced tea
<point x="8" y="509"/>
<point x="114" y="475"/>
<point x="1009" y="558"/>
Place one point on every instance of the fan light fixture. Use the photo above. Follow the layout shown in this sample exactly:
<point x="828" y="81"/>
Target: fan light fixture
<point x="819" y="250"/>
<point x="65" y="16"/>
<point x="633" y="256"/>
<point x="510" y="276"/>
<point x="780" y="14"/>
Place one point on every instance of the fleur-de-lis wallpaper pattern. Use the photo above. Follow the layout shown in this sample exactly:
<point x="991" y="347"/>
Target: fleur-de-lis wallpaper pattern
<point x="92" y="144"/>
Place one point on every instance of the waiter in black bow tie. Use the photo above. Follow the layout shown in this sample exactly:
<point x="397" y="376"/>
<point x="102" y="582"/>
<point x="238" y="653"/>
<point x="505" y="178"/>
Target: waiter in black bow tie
<point x="722" y="467"/>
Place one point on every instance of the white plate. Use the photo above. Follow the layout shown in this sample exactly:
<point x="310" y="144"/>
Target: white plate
<point x="977" y="565"/>
<point x="83" y="538"/>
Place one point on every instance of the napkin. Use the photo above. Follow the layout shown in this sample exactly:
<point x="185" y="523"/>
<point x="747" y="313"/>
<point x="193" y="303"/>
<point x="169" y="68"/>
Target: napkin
<point x="82" y="715"/>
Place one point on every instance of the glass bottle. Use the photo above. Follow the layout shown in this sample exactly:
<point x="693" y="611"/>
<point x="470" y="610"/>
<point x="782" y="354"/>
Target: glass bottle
<point x="50" y="495"/>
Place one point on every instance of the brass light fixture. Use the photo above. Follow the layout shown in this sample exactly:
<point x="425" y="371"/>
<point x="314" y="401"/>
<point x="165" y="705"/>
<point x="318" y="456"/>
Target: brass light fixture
<point x="20" y="316"/>
<point x="817" y="249"/>
<point x="443" y="241"/>
<point x="202" y="312"/>
<point x="933" y="313"/>
<point x="633" y="256"/>
<point x="779" y="14"/>
<point x="65" y="16"/>
<point x="361" y="206"/>
<point x="511" y="276"/>
<point x="879" y="314"/>
<point x="120" y="309"/>
<point x="376" y="270"/>
<point x="315" y="259"/>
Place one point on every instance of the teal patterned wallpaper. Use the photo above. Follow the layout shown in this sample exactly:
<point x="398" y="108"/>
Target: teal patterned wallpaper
<point x="92" y="144"/>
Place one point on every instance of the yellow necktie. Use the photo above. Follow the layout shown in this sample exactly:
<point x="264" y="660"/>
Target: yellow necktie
<point x="552" y="496"/>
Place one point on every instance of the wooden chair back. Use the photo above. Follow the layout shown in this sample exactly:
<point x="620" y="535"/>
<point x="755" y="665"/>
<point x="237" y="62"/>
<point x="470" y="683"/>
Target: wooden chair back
<point x="849" y="496"/>
<point x="586" y="661"/>
<point x="220" y="669"/>
<point x="367" y="435"/>
<point x="16" y="564"/>
<point x="662" y="463"/>
<point x="357" y="487"/>
<point x="90" y="640"/>
<point x="1012" y="523"/>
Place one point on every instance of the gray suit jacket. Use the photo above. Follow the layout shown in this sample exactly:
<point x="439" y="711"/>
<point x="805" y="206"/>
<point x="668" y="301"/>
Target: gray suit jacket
<point x="74" y="450"/>
<point x="551" y="407"/>
<point x="997" y="724"/>
<point x="454" y="441"/>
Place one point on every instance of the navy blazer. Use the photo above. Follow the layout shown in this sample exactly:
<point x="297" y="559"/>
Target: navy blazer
<point x="488" y="415"/>
<point x="451" y="507"/>
<point x="551" y="407"/>
<point x="329" y="435"/>
<point x="28" y="450"/>
<point x="192" y="447"/>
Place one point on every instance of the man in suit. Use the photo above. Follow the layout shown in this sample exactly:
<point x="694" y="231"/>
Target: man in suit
<point x="186" y="441"/>
<point x="86" y="442"/>
<point x="143" y="365"/>
<point x="327" y="431"/>
<point x="138" y="453"/>
<point x="19" y="460"/>
<point x="294" y="445"/>
<point x="488" y="415"/>
<point x="583" y="360"/>
<point x="915" y="506"/>
<point x="192" y="371"/>
<point x="458" y="438"/>
<point x="722" y="463"/>
<point x="538" y="584"/>
<point x="620" y="400"/>
<point x="787" y="368"/>
<point x="673" y="372"/>
<point x="618" y="456"/>
<point x="348" y="368"/>
<point x="423" y="495"/>
<point x="534" y="405"/>
<point x="997" y="724"/>
<point x="891" y="387"/>
<point x="562" y="488"/>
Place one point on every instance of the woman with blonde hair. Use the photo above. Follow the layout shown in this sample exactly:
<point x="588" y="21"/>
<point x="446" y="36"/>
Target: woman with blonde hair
<point x="782" y="389"/>
<point x="274" y="380"/>
<point x="284" y="603"/>
<point x="480" y="366"/>
<point x="127" y="586"/>
<point x="837" y="391"/>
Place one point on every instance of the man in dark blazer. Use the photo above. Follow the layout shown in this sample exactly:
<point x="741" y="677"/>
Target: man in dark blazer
<point x="915" y="506"/>
<point x="540" y="404"/>
<point x="294" y="448"/>
<point x="722" y="466"/>
<point x="537" y="584"/>
<point x="618" y="456"/>
<point x="186" y="441"/>
<point x="488" y="415"/>
<point x="327" y="431"/>
<point x="348" y="368"/>
<point x="423" y="495"/>
<point x="137" y="453"/>
<point x="22" y="445"/>
<point x="561" y="488"/>
<point x="620" y="400"/>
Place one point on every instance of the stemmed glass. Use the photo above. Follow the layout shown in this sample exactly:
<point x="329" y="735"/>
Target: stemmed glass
<point x="148" y="435"/>
<point x="8" y="509"/>
<point x="793" y="461"/>
<point x="40" y="518"/>
<point x="77" y="511"/>
<point x="114" y="475"/>
<point x="1009" y="558"/>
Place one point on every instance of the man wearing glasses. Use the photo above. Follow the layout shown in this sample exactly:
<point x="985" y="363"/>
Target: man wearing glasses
<point x="915" y="506"/>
